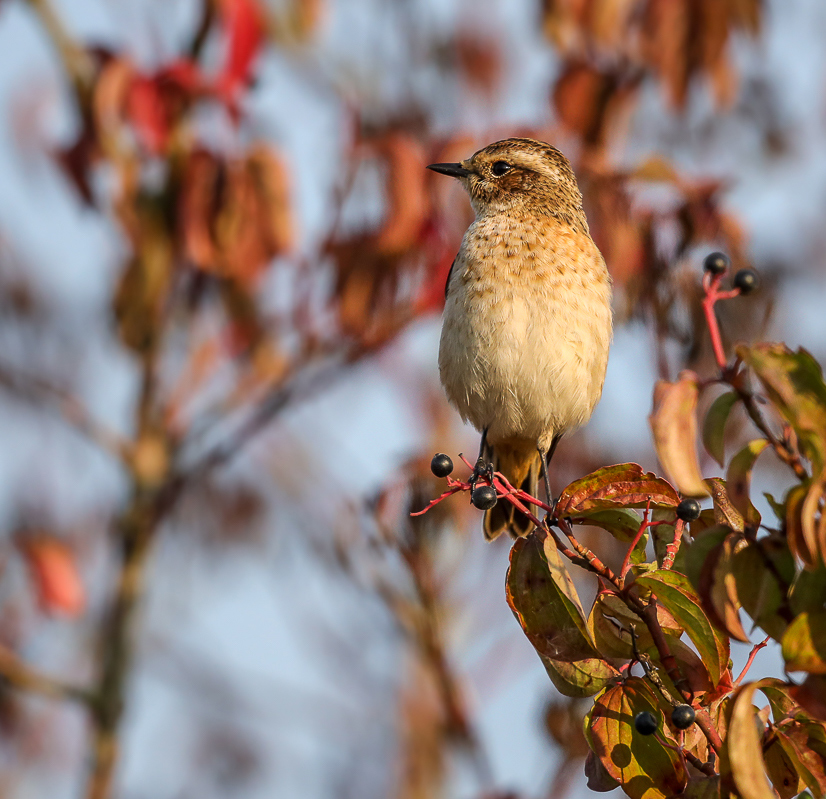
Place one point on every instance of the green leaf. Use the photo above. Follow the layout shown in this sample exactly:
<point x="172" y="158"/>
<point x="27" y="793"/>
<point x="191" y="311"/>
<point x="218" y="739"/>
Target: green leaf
<point x="738" y="480"/>
<point x="698" y="550"/>
<point x="763" y="572"/>
<point x="804" y="643"/>
<point x="675" y="594"/>
<point x="702" y="788"/>
<point x="674" y="428"/>
<point x="744" y="749"/>
<point x="644" y="768"/>
<point x="579" y="678"/>
<point x="793" y="381"/>
<point x="780" y="699"/>
<point x="543" y="598"/>
<point x="714" y="427"/>
<point x="622" y="486"/>
<point x="808" y="590"/>
<point x="623" y="524"/>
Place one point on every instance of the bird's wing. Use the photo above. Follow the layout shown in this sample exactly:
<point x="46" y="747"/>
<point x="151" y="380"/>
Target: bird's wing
<point x="449" y="273"/>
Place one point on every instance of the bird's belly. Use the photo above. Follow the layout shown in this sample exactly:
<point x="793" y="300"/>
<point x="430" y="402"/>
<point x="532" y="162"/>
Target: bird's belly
<point x="524" y="366"/>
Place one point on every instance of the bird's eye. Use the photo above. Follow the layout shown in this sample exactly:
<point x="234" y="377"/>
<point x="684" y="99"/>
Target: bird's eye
<point x="500" y="168"/>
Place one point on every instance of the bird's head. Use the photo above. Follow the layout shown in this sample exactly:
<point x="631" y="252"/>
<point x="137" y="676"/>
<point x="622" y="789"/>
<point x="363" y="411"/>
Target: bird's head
<point x="520" y="176"/>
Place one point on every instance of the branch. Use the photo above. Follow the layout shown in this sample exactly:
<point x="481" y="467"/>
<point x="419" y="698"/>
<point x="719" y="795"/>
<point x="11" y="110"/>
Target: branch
<point x="23" y="677"/>
<point x="70" y="409"/>
<point x="76" y="61"/>
<point x="755" y="649"/>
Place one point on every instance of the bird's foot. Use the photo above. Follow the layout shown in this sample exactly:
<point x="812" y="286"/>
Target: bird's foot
<point x="482" y="469"/>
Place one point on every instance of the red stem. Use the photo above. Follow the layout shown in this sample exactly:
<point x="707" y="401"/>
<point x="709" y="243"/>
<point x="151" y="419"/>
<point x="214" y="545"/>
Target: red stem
<point x="755" y="649"/>
<point x="674" y="547"/>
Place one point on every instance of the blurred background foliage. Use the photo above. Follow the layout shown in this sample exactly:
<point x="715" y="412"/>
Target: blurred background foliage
<point x="222" y="266"/>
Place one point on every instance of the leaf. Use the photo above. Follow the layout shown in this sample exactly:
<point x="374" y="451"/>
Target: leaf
<point x="698" y="550"/>
<point x="244" y="26"/>
<point x="622" y="486"/>
<point x="55" y="575"/>
<point x="814" y="529"/>
<point x="793" y="381"/>
<point x="801" y="547"/>
<point x="702" y="788"/>
<point x="744" y="749"/>
<point x="762" y="573"/>
<point x="782" y="703"/>
<point x="597" y="776"/>
<point x="738" y="479"/>
<point x="674" y="426"/>
<point x="691" y="667"/>
<point x="724" y="510"/>
<point x="542" y="596"/>
<point x="717" y="587"/>
<point x="804" y="643"/>
<point x="656" y="169"/>
<point x="676" y="595"/>
<point x="808" y="590"/>
<point x="781" y="771"/>
<point x="714" y="426"/>
<point x="579" y="678"/>
<point x="644" y="768"/>
<point x="801" y="741"/>
<point x="610" y="621"/>
<point x="623" y="524"/>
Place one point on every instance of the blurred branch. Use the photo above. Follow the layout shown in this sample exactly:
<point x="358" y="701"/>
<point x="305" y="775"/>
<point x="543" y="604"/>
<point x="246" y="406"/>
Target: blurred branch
<point x="68" y="407"/>
<point x="76" y="61"/>
<point x="135" y="530"/>
<point x="21" y="676"/>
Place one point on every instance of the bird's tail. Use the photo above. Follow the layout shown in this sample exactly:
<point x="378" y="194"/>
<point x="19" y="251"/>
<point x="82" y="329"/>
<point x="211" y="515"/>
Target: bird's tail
<point x="522" y="466"/>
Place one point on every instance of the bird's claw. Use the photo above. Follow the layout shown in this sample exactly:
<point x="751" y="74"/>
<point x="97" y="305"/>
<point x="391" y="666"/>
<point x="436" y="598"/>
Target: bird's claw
<point x="482" y="469"/>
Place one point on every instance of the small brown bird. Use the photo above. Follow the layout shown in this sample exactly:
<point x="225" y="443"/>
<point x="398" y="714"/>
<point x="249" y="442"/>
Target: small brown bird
<point x="527" y="320"/>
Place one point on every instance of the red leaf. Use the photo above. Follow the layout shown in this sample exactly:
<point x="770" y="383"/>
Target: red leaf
<point x="622" y="486"/>
<point x="54" y="571"/>
<point x="244" y="26"/>
<point x="145" y="107"/>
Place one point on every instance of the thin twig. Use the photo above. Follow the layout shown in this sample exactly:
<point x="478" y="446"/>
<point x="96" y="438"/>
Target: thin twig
<point x="755" y="649"/>
<point x="68" y="407"/>
<point x="23" y="677"/>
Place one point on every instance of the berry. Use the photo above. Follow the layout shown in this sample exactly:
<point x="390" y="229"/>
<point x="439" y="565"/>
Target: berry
<point x="483" y="497"/>
<point x="747" y="280"/>
<point x="682" y="717"/>
<point x="688" y="510"/>
<point x="441" y="465"/>
<point x="645" y="723"/>
<point x="716" y="263"/>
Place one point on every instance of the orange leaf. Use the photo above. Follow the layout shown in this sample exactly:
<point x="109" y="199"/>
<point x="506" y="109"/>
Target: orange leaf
<point x="54" y="571"/>
<point x="674" y="426"/>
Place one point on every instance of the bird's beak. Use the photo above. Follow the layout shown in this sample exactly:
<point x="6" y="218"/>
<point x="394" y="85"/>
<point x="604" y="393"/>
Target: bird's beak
<point x="453" y="170"/>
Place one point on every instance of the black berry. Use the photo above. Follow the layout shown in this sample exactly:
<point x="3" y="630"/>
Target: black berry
<point x="747" y="280"/>
<point x="483" y="497"/>
<point x="688" y="510"/>
<point x="682" y="717"/>
<point x="441" y="465"/>
<point x="716" y="263"/>
<point x="645" y="723"/>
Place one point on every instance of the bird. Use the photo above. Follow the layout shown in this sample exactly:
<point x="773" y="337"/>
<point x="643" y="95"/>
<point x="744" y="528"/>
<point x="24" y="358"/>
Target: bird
<point x="527" y="321"/>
